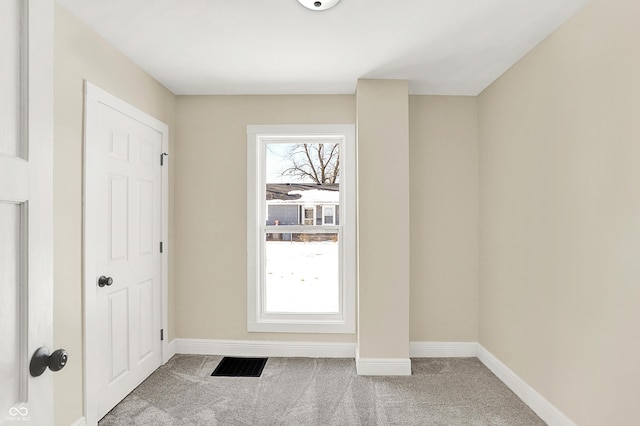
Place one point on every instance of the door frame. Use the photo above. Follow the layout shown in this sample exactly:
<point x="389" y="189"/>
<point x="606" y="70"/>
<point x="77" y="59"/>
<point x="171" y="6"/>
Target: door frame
<point x="92" y="96"/>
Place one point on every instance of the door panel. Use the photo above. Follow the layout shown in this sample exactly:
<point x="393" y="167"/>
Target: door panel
<point x="145" y="290"/>
<point x="119" y="148"/>
<point x="145" y="207"/>
<point x="12" y="330"/>
<point x="10" y="81"/>
<point x="118" y="207"/>
<point x="118" y="320"/>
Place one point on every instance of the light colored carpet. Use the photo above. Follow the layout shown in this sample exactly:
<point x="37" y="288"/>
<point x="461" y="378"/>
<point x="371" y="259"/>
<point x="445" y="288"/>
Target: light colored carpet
<point x="308" y="391"/>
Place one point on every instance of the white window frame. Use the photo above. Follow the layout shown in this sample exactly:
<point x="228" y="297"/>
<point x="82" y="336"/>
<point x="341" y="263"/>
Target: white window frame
<point x="258" y="320"/>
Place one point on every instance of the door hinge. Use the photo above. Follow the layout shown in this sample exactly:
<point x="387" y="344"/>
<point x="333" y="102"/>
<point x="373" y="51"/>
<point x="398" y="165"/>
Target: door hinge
<point x="162" y="334"/>
<point x="162" y="158"/>
<point x="161" y="247"/>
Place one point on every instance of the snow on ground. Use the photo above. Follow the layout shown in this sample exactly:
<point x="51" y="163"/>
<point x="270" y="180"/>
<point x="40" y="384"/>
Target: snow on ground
<point x="302" y="276"/>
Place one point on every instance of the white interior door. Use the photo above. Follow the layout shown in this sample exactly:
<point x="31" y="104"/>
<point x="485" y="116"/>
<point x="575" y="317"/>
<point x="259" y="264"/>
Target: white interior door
<point x="124" y="216"/>
<point x="26" y="221"/>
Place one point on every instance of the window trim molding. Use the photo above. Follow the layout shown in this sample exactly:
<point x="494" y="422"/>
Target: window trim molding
<point x="257" y="319"/>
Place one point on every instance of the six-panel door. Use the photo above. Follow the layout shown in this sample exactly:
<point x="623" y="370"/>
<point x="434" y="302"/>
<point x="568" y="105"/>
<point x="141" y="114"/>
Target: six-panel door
<point x="127" y="248"/>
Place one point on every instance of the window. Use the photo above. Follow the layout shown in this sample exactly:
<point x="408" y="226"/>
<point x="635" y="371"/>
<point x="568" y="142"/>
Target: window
<point x="301" y="228"/>
<point x="309" y="215"/>
<point x="328" y="215"/>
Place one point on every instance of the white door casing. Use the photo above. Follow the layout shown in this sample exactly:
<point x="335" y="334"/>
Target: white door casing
<point x="125" y="223"/>
<point x="26" y="202"/>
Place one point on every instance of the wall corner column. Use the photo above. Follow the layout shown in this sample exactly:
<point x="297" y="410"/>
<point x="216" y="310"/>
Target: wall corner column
<point x="383" y="227"/>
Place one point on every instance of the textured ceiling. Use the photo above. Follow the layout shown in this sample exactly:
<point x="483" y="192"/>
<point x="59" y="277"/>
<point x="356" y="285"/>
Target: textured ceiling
<point x="444" y="47"/>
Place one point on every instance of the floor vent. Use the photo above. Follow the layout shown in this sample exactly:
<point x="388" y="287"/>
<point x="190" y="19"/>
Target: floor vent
<point x="240" y="367"/>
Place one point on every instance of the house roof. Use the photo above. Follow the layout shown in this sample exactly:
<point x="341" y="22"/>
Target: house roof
<point x="294" y="191"/>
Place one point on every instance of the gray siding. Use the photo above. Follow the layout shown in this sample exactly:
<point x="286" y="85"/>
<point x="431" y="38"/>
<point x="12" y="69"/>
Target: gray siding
<point x="290" y="214"/>
<point x="286" y="214"/>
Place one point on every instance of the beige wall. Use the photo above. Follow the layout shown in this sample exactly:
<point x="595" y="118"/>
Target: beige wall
<point x="560" y="216"/>
<point x="383" y="218"/>
<point x="210" y="165"/>
<point x="211" y="198"/>
<point x="80" y="54"/>
<point x="444" y="218"/>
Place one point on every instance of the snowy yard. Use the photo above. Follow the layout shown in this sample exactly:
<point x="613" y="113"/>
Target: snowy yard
<point x="302" y="276"/>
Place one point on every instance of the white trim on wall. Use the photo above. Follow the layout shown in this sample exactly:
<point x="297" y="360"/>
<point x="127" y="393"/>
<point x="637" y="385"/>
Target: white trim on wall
<point x="442" y="349"/>
<point x="166" y="244"/>
<point x="383" y="366"/>
<point x="80" y="422"/>
<point x="264" y="348"/>
<point x="543" y="408"/>
<point x="309" y="349"/>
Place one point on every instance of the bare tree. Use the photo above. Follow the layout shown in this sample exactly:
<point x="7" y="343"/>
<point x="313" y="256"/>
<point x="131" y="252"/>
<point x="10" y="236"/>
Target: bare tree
<point x="318" y="162"/>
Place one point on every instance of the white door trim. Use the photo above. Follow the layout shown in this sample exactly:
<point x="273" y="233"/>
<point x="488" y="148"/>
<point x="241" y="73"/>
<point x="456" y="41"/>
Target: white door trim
<point x="93" y="95"/>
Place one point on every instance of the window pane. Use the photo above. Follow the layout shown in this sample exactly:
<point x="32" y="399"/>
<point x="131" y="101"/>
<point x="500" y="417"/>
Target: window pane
<point x="328" y="215"/>
<point x="309" y="214"/>
<point x="302" y="273"/>
<point x="300" y="179"/>
<point x="316" y="163"/>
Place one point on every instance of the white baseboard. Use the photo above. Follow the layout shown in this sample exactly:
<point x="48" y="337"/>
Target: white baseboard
<point x="309" y="349"/>
<point x="543" y="408"/>
<point x="265" y="348"/>
<point x="443" y="349"/>
<point x="80" y="422"/>
<point x="383" y="366"/>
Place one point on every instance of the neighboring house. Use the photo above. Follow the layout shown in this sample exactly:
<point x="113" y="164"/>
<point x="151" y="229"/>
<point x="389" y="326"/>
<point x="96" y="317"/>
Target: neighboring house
<point x="305" y="204"/>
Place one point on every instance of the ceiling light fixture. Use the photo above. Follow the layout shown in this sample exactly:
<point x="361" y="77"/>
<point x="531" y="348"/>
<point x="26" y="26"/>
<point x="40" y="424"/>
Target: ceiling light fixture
<point x="318" y="4"/>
